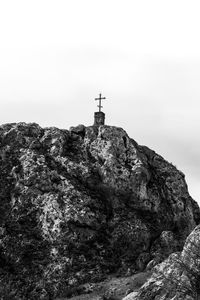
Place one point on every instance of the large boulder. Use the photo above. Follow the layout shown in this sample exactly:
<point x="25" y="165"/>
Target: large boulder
<point x="77" y="205"/>
<point x="176" y="278"/>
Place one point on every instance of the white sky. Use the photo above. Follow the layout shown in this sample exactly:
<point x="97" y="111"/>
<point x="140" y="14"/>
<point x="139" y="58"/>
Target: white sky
<point x="144" y="56"/>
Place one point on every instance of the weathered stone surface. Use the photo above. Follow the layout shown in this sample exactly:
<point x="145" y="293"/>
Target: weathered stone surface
<point x="176" y="278"/>
<point x="76" y="205"/>
<point x="78" y="130"/>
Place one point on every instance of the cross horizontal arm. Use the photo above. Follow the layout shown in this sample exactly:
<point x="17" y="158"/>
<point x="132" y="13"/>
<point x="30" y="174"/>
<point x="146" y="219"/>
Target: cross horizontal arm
<point x="100" y="98"/>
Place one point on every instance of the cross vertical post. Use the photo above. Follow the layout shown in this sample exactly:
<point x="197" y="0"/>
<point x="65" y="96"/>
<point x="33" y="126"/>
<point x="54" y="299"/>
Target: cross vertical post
<point x="99" y="99"/>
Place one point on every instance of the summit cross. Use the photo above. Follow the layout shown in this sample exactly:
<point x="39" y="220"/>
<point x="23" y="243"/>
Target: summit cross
<point x="99" y="99"/>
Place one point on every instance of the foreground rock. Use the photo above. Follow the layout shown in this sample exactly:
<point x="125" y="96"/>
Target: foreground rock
<point x="78" y="205"/>
<point x="113" y="288"/>
<point x="177" y="278"/>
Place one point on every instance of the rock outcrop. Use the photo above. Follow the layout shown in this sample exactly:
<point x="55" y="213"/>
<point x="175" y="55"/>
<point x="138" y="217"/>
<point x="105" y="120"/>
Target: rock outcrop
<point x="177" y="278"/>
<point x="77" y="205"/>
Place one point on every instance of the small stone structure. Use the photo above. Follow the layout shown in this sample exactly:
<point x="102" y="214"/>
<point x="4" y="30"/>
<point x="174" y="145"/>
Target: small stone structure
<point x="99" y="118"/>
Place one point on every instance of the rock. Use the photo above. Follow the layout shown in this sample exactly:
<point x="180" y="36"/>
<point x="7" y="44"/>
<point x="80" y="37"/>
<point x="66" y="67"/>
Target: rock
<point x="152" y="263"/>
<point x="78" y="130"/>
<point x="177" y="277"/>
<point x="131" y="296"/>
<point x="78" y="205"/>
<point x="165" y="244"/>
<point x="142" y="261"/>
<point x="190" y="255"/>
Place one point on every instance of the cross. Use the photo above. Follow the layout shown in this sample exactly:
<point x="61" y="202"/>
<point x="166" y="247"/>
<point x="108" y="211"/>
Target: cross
<point x="99" y="99"/>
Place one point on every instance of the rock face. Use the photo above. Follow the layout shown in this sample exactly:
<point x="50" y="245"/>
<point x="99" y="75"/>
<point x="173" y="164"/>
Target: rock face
<point x="177" y="278"/>
<point x="77" y="205"/>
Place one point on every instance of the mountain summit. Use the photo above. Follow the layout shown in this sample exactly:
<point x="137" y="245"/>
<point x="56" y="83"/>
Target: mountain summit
<point x="78" y="205"/>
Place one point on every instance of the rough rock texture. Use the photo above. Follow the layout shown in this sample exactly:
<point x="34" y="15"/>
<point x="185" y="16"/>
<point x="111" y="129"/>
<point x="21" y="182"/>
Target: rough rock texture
<point x="76" y="205"/>
<point x="178" y="277"/>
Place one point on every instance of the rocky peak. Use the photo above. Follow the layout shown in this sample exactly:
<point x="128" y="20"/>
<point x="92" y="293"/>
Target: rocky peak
<point x="78" y="205"/>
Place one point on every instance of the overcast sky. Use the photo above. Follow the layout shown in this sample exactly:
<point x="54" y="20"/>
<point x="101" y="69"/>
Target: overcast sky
<point x="143" y="55"/>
